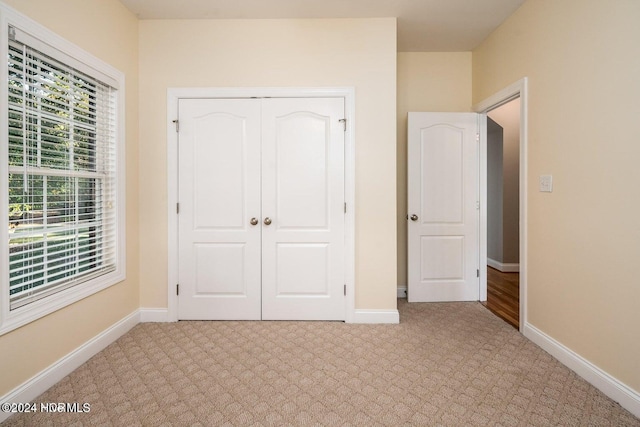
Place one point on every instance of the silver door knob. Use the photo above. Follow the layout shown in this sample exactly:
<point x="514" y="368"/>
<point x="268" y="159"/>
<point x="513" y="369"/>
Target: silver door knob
<point x="254" y="221"/>
<point x="267" y="221"/>
<point x="414" y="217"/>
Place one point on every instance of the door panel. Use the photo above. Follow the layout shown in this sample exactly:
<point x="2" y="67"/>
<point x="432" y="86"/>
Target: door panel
<point x="220" y="269"/>
<point x="443" y="193"/>
<point x="301" y="269"/>
<point x="303" y="195"/>
<point x="441" y="148"/>
<point x="302" y="170"/>
<point x="219" y="192"/>
<point x="442" y="258"/>
<point x="219" y="147"/>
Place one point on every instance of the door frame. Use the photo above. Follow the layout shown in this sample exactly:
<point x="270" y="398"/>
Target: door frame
<point x="173" y="97"/>
<point x="515" y="90"/>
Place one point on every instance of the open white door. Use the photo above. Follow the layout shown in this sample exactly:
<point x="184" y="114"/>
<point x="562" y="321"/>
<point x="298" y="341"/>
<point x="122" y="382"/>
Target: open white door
<point x="443" y="207"/>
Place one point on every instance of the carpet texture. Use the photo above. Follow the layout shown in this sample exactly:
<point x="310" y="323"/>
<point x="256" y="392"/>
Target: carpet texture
<point x="449" y="364"/>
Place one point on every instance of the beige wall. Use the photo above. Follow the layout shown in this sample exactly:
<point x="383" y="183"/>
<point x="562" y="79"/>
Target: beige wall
<point x="582" y="58"/>
<point x="427" y="81"/>
<point x="253" y="53"/>
<point x="109" y="31"/>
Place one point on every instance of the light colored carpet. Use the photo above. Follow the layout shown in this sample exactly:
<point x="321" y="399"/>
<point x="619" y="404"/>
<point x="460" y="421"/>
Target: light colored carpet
<point x="449" y="364"/>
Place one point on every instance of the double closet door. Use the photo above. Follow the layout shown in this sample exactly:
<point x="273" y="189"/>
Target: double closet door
<point x="261" y="209"/>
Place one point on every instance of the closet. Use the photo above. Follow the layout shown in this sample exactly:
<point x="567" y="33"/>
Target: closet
<point x="261" y="209"/>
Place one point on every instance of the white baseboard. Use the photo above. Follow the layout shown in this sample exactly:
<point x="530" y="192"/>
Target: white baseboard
<point x="154" y="315"/>
<point x="376" y="316"/>
<point x="616" y="390"/>
<point x="402" y="291"/>
<point x="45" y="379"/>
<point x="504" y="267"/>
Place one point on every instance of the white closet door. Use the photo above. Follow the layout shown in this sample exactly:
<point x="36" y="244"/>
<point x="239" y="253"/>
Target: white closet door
<point x="303" y="209"/>
<point x="219" y="194"/>
<point x="443" y="245"/>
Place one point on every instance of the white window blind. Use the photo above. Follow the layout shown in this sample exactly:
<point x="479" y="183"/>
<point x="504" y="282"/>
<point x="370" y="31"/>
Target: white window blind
<point x="62" y="173"/>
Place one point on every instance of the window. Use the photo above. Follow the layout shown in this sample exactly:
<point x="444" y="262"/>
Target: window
<point x="62" y="189"/>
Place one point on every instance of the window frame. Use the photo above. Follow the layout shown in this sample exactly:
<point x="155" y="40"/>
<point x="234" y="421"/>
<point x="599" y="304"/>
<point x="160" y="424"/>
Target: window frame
<point x="12" y="319"/>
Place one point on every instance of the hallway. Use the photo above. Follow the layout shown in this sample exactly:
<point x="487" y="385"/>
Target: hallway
<point x="503" y="295"/>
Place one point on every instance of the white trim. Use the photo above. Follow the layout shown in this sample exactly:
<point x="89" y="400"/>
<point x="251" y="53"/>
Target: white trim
<point x="610" y="386"/>
<point x="482" y="194"/>
<point x="517" y="89"/>
<point x="174" y="94"/>
<point x="376" y="316"/>
<point x="350" y="199"/>
<point x="402" y="291"/>
<point x="154" y="315"/>
<point x="51" y="375"/>
<point x="508" y="267"/>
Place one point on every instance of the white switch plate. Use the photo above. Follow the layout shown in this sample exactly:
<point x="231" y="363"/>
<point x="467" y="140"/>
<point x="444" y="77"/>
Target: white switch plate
<point x="546" y="183"/>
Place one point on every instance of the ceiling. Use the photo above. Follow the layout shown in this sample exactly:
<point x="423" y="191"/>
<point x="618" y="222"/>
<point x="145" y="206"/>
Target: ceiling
<point x="423" y="25"/>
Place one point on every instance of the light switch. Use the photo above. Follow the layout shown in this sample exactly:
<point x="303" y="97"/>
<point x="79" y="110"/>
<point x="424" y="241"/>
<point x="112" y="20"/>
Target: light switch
<point x="546" y="183"/>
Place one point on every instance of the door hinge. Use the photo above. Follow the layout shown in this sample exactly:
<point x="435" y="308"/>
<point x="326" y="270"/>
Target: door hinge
<point x="478" y="273"/>
<point x="177" y="208"/>
<point x="178" y="289"/>
<point x="345" y="207"/>
<point x="345" y="290"/>
<point x="477" y="137"/>
<point x="344" y="123"/>
<point x="177" y="123"/>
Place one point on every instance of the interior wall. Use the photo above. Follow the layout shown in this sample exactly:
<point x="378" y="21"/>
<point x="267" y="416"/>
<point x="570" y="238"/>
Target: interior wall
<point x="495" y="191"/>
<point x="109" y="31"/>
<point x="508" y="116"/>
<point x="268" y="53"/>
<point x="427" y="81"/>
<point x="582" y="60"/>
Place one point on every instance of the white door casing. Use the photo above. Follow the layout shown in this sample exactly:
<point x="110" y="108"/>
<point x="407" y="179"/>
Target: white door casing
<point x="443" y="207"/>
<point x="280" y="162"/>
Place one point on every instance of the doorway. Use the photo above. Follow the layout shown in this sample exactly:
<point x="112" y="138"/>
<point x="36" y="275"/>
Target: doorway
<point x="514" y="98"/>
<point x="503" y="167"/>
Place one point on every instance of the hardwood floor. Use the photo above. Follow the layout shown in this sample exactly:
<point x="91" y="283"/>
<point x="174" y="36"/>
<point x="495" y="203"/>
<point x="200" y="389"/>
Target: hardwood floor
<point x="503" y="295"/>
